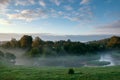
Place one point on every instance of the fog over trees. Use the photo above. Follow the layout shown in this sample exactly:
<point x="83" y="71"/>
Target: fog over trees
<point x="37" y="47"/>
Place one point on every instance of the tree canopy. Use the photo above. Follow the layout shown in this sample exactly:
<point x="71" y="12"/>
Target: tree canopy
<point x="38" y="47"/>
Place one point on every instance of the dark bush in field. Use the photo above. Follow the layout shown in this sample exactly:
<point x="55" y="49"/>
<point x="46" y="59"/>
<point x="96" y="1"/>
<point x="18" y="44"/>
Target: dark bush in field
<point x="71" y="71"/>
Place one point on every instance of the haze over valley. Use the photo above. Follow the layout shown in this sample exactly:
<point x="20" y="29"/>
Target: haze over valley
<point x="59" y="39"/>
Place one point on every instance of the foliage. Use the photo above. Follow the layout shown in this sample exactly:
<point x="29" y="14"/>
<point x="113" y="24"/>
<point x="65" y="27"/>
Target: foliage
<point x="37" y="42"/>
<point x="13" y="43"/>
<point x="6" y="44"/>
<point x="26" y="41"/>
<point x="114" y="42"/>
<point x="33" y="52"/>
<point x="71" y="71"/>
<point x="38" y="47"/>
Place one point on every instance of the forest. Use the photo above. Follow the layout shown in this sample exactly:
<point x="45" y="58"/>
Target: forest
<point x="37" y="47"/>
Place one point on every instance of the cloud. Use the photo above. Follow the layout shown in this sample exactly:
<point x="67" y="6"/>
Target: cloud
<point x="112" y="28"/>
<point x="24" y="2"/>
<point x="84" y="1"/>
<point x="5" y="22"/>
<point x="68" y="7"/>
<point x="3" y="5"/>
<point x="4" y="2"/>
<point x="31" y="1"/>
<point x="57" y="2"/>
<point x="113" y="14"/>
<point x="42" y="3"/>
<point x="28" y="15"/>
<point x="71" y="1"/>
<point x="83" y="14"/>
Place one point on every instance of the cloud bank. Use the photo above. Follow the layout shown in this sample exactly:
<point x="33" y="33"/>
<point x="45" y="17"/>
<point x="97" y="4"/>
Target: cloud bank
<point x="27" y="10"/>
<point x="112" y="28"/>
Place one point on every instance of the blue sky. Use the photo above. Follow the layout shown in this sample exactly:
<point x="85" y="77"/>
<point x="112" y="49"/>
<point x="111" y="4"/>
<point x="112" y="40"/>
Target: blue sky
<point x="62" y="17"/>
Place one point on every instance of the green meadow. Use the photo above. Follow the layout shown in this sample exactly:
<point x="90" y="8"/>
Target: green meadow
<point x="59" y="73"/>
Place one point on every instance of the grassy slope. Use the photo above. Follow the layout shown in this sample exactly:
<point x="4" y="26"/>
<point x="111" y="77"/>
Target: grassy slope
<point x="51" y="73"/>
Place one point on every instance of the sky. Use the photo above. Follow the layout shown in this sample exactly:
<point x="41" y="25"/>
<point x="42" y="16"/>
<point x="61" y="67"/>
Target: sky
<point x="60" y="17"/>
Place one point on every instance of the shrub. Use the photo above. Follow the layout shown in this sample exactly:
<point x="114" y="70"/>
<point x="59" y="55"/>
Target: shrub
<point x="71" y="71"/>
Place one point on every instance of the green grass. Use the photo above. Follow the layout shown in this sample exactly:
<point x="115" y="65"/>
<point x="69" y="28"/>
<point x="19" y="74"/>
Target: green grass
<point x="59" y="73"/>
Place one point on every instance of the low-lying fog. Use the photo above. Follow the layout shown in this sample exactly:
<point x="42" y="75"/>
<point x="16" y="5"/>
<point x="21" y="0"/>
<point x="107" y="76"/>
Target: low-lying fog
<point x="108" y="58"/>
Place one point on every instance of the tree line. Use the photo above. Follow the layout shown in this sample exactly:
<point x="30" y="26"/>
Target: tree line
<point x="38" y="47"/>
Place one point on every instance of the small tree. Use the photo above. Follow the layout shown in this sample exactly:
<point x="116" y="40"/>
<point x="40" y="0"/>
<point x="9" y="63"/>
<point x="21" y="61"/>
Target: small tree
<point x="71" y="71"/>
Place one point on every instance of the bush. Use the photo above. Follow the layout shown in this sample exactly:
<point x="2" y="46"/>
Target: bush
<point x="71" y="71"/>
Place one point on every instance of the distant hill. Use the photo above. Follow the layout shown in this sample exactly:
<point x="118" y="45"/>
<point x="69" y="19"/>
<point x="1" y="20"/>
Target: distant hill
<point x="113" y="41"/>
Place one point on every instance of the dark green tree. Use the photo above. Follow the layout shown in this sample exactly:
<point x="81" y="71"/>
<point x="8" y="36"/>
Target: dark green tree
<point x="37" y="42"/>
<point x="26" y="41"/>
<point x="13" y="43"/>
<point x="34" y="52"/>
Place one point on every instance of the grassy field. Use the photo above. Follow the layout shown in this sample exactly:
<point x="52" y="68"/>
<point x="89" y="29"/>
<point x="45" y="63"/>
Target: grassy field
<point x="59" y="73"/>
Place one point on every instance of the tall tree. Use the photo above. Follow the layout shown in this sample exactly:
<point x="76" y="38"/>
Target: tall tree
<point x="114" y="42"/>
<point x="13" y="42"/>
<point x="26" y="41"/>
<point x="37" y="42"/>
